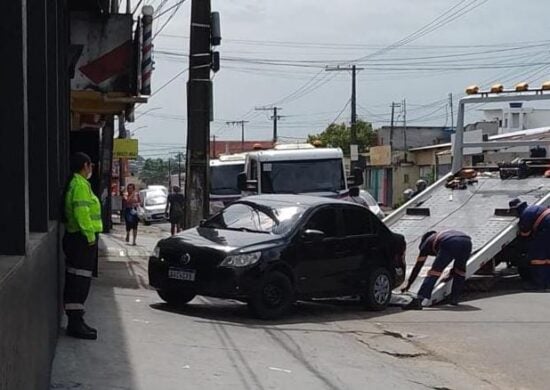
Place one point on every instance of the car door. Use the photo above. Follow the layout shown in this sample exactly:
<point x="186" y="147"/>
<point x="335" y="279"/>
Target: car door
<point x="315" y="257"/>
<point x="362" y="242"/>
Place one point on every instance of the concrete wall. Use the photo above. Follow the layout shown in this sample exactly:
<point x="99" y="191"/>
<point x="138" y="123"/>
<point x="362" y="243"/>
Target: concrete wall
<point x="29" y="296"/>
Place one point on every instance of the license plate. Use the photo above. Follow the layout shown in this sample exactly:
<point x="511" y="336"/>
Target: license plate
<point x="187" y="275"/>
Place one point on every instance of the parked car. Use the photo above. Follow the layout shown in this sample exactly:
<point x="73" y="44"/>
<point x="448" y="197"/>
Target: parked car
<point x="153" y="206"/>
<point x="270" y="250"/>
<point x="373" y="204"/>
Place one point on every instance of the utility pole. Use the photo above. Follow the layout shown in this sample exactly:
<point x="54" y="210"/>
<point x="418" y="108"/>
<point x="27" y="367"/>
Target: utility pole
<point x="169" y="174"/>
<point x="236" y="123"/>
<point x="213" y="146"/>
<point x="275" y="117"/>
<point x="179" y="170"/>
<point x="391" y="125"/>
<point x="205" y="33"/>
<point x="353" y="135"/>
<point x="404" y="112"/>
<point x="452" y="113"/>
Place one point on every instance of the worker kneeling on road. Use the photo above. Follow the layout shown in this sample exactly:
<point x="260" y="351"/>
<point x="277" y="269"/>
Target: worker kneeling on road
<point x="447" y="246"/>
<point x="82" y="217"/>
<point x="534" y="227"/>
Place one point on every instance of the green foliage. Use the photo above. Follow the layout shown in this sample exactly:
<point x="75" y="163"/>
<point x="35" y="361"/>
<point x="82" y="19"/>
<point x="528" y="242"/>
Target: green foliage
<point x="338" y="136"/>
<point x="154" y="171"/>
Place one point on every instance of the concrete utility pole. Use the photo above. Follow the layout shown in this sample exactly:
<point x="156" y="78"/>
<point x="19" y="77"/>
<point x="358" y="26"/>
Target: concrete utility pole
<point x="179" y="170"/>
<point x="353" y="69"/>
<point x="236" y="123"/>
<point x="275" y="117"/>
<point x="404" y="113"/>
<point x="452" y="111"/>
<point x="122" y="162"/>
<point x="392" y="123"/>
<point x="213" y="146"/>
<point x="199" y="103"/>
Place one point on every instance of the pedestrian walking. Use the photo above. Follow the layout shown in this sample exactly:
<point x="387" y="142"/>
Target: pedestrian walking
<point x="174" y="208"/>
<point x="446" y="246"/>
<point x="132" y="202"/>
<point x="82" y="218"/>
<point x="534" y="233"/>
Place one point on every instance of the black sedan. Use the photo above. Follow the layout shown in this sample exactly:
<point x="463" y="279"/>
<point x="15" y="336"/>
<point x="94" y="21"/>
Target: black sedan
<point x="270" y="250"/>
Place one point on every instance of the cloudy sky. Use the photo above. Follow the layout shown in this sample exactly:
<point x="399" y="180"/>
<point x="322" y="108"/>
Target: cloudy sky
<point x="275" y="51"/>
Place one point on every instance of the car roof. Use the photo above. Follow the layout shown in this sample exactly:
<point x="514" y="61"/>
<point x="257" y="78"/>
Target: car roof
<point x="290" y="200"/>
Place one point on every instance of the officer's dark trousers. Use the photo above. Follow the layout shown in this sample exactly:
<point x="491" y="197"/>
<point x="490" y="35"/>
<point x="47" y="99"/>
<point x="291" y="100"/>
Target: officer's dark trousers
<point x="79" y="265"/>
<point x="539" y="256"/>
<point x="457" y="249"/>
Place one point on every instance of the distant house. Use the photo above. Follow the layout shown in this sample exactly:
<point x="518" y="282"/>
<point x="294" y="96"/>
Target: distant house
<point x="219" y="147"/>
<point x="404" y="138"/>
<point x="517" y="117"/>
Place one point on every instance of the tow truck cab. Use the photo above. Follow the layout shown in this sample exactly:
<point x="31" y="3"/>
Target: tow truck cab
<point x="297" y="169"/>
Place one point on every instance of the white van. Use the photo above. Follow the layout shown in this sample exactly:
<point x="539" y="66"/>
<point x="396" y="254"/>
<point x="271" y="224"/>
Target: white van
<point x="224" y="174"/>
<point x="153" y="205"/>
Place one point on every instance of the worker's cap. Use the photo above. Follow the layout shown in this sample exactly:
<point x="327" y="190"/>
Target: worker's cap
<point x="425" y="237"/>
<point x="518" y="205"/>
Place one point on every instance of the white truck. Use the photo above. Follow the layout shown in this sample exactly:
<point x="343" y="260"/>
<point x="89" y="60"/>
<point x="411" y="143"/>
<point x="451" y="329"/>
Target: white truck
<point x="224" y="173"/>
<point x="477" y="206"/>
<point x="297" y="169"/>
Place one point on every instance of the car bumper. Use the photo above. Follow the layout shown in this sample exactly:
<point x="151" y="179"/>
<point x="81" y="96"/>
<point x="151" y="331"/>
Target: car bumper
<point x="221" y="282"/>
<point x="154" y="217"/>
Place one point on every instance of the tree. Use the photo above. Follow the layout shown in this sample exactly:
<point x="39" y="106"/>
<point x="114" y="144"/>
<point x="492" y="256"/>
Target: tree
<point x="339" y="135"/>
<point x="154" y="171"/>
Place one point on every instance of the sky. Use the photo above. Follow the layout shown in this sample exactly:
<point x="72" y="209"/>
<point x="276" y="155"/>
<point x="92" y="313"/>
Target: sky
<point x="275" y="52"/>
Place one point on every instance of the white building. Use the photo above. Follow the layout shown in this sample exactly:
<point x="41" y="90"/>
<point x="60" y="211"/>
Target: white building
<point x="516" y="117"/>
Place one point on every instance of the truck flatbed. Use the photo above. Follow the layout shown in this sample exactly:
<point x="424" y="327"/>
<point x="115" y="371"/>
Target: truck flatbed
<point x="471" y="210"/>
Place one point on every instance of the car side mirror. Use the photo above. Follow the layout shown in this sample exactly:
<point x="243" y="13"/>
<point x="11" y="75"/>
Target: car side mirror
<point x="356" y="178"/>
<point x="312" y="235"/>
<point x="354" y="192"/>
<point x="246" y="185"/>
<point x="202" y="222"/>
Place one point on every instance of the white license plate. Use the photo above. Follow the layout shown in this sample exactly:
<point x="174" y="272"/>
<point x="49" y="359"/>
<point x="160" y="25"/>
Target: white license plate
<point x="187" y="275"/>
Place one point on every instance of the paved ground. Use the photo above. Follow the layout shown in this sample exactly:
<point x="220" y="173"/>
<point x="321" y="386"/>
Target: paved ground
<point x="496" y="340"/>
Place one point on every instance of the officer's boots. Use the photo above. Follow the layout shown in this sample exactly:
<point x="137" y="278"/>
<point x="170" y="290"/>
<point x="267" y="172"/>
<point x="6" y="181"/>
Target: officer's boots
<point x="78" y="328"/>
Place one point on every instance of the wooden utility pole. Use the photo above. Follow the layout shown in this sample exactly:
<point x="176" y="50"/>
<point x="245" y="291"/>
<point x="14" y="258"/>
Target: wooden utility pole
<point x="199" y="99"/>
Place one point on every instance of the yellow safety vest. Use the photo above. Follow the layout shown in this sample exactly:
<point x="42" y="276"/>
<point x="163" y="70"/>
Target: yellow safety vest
<point x="82" y="209"/>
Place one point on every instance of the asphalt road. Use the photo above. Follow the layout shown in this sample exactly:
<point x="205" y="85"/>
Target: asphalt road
<point x="496" y="340"/>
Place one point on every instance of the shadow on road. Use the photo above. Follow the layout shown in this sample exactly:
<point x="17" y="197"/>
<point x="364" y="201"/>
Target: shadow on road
<point x="301" y="312"/>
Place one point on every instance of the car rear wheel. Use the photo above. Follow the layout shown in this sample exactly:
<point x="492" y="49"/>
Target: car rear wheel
<point x="175" y="296"/>
<point x="272" y="297"/>
<point x="378" y="293"/>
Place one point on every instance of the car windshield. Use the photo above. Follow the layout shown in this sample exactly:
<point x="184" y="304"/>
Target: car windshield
<point x="155" y="199"/>
<point x="223" y="179"/>
<point x="250" y="217"/>
<point x="299" y="177"/>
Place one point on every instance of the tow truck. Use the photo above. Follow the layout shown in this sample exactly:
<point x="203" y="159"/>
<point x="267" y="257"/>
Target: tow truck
<point x="475" y="199"/>
<point x="223" y="180"/>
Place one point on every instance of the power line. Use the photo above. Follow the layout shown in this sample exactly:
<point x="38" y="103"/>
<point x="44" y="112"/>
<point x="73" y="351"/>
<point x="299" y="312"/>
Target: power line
<point x="176" y="8"/>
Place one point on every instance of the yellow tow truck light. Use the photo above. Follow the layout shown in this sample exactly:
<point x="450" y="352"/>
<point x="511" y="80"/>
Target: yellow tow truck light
<point x="497" y="88"/>
<point x="546" y="86"/>
<point x="472" y="90"/>
<point x="522" y="87"/>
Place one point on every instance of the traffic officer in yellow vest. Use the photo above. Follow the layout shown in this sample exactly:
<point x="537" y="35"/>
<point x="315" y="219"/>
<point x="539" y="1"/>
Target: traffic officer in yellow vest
<point x="82" y="217"/>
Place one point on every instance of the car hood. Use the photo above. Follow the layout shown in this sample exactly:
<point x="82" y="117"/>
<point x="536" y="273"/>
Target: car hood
<point x="223" y="240"/>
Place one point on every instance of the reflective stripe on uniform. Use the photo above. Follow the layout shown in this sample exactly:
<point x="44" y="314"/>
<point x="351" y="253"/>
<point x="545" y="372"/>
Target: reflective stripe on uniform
<point x="81" y="203"/>
<point x="433" y="272"/>
<point x="74" y="306"/>
<point x="79" y="272"/>
<point x="540" y="262"/>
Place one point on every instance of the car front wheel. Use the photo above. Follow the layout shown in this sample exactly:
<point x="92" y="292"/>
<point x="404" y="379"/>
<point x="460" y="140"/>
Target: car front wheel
<point x="378" y="292"/>
<point x="176" y="297"/>
<point x="272" y="297"/>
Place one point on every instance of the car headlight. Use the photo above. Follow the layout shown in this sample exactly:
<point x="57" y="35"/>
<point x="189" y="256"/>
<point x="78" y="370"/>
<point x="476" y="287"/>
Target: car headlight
<point x="156" y="252"/>
<point x="241" y="260"/>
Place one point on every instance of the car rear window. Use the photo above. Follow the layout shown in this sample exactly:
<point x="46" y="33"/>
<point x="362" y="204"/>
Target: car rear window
<point x="358" y="222"/>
